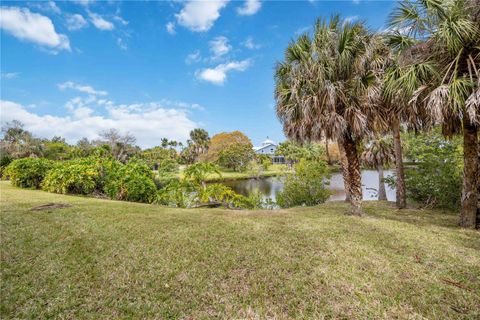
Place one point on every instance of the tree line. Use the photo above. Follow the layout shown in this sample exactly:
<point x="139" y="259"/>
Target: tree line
<point x="346" y="83"/>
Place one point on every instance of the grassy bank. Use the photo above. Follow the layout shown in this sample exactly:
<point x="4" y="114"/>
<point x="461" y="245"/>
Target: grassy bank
<point x="273" y="171"/>
<point x="108" y="259"/>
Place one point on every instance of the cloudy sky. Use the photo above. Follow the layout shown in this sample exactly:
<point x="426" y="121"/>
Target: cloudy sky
<point x="154" y="69"/>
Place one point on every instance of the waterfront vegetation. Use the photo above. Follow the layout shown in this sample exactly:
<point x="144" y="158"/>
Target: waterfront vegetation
<point x="116" y="259"/>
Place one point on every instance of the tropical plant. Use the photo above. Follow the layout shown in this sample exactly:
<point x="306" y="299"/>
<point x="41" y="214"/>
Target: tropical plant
<point x="80" y="176"/>
<point x="28" y="172"/>
<point x="307" y="185"/>
<point x="328" y="87"/>
<point x="132" y="181"/>
<point x="199" y="172"/>
<point x="377" y="154"/>
<point x="177" y="193"/>
<point x="447" y="40"/>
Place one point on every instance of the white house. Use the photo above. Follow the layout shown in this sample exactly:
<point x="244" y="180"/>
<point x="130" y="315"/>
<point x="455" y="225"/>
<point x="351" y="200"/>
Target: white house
<point x="268" y="148"/>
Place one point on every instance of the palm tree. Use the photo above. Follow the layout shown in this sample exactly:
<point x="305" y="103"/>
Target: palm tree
<point x="379" y="153"/>
<point x="200" y="140"/>
<point x="448" y="42"/>
<point x="328" y="86"/>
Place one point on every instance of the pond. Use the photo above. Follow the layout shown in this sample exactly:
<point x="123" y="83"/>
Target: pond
<point x="269" y="187"/>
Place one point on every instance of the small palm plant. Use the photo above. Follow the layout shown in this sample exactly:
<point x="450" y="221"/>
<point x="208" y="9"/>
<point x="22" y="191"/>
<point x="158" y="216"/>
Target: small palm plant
<point x="378" y="154"/>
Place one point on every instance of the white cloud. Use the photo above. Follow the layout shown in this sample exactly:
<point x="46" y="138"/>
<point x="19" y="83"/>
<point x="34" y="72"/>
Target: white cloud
<point x="170" y="28"/>
<point x="84" y="3"/>
<point x="218" y="75"/>
<point x="121" y="44"/>
<point x="99" y="22"/>
<point x="47" y="6"/>
<point x="33" y="27"/>
<point x="250" y="7"/>
<point x="120" y="19"/>
<point x="148" y="122"/>
<point x="250" y="44"/>
<point x="9" y="75"/>
<point x="219" y="46"/>
<point x="200" y="16"/>
<point x="193" y="57"/>
<point x="76" y="22"/>
<point x="81" y="88"/>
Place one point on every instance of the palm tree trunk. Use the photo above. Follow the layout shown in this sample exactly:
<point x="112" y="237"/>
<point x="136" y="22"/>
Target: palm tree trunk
<point x="344" y="166"/>
<point x="329" y="161"/>
<point x="354" y="175"/>
<point x="382" y="194"/>
<point x="470" y="175"/>
<point x="401" y="194"/>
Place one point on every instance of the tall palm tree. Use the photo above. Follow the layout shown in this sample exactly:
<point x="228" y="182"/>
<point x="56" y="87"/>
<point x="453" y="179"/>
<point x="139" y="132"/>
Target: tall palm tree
<point x="379" y="153"/>
<point x="328" y="86"/>
<point x="448" y="35"/>
<point x="402" y="77"/>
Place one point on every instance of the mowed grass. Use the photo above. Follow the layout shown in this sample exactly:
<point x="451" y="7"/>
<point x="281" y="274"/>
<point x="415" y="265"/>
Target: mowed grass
<point x="108" y="259"/>
<point x="272" y="171"/>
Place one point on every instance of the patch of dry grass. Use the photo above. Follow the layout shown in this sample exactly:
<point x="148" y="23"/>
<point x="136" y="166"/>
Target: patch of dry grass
<point x="109" y="259"/>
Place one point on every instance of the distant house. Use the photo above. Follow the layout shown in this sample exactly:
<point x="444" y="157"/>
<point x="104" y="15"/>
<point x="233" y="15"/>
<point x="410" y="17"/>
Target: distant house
<point x="268" y="148"/>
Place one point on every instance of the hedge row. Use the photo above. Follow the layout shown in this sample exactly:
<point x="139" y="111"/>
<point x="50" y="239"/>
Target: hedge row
<point x="131" y="182"/>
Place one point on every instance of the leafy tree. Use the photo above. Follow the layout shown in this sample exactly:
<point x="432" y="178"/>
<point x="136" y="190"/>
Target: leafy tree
<point x="447" y="40"/>
<point x="221" y="141"/>
<point x="236" y="156"/>
<point x="57" y="149"/>
<point x="379" y="153"/>
<point x="436" y="177"/>
<point x="328" y="87"/>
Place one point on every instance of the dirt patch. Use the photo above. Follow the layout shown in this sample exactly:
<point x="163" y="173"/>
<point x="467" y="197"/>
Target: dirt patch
<point x="51" y="206"/>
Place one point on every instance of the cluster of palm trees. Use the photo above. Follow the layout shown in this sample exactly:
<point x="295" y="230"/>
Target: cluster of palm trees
<point x="346" y="83"/>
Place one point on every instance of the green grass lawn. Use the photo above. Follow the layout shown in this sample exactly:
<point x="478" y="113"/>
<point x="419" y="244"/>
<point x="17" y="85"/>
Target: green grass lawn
<point x="273" y="170"/>
<point x="108" y="259"/>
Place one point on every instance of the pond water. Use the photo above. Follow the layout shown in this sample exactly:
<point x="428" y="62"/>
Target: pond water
<point x="271" y="185"/>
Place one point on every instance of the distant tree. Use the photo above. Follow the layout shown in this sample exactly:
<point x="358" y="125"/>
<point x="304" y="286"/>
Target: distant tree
<point x="293" y="151"/>
<point x="222" y="140"/>
<point x="18" y="142"/>
<point x="200" y="139"/>
<point x="121" y="146"/>
<point x="164" y="142"/>
<point x="57" y="149"/>
<point x="236" y="156"/>
<point x="231" y="150"/>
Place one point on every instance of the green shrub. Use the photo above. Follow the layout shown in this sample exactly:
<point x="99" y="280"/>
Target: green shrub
<point x="131" y="182"/>
<point x="177" y="193"/>
<point x="28" y="172"/>
<point x="79" y="176"/>
<point x="306" y="185"/>
<point x="435" y="179"/>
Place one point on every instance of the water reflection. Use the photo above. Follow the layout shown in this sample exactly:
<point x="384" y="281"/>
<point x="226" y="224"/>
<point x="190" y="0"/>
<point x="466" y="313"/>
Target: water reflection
<point x="271" y="185"/>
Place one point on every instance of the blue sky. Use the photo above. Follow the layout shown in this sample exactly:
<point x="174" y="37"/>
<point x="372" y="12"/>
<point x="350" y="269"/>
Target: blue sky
<point x="154" y="69"/>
